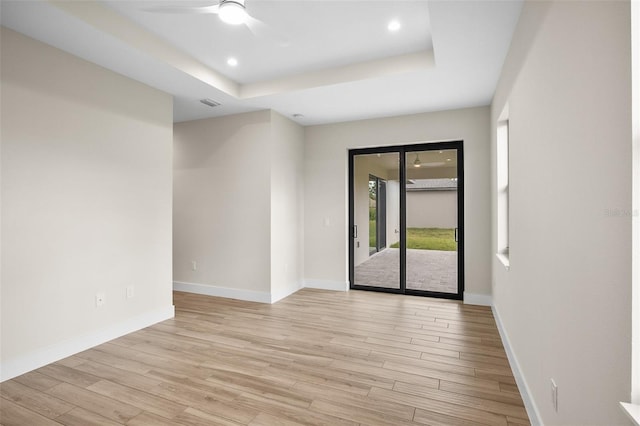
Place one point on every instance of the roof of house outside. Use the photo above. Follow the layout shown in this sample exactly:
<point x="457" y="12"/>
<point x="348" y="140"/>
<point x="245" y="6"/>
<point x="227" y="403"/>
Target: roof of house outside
<point x="448" y="184"/>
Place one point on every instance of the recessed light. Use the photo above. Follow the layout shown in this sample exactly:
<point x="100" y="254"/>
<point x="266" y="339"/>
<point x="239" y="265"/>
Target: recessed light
<point x="394" y="26"/>
<point x="232" y="62"/>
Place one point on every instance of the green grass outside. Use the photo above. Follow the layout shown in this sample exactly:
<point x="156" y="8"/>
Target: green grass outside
<point x="422" y="238"/>
<point x="372" y="233"/>
<point x="430" y="239"/>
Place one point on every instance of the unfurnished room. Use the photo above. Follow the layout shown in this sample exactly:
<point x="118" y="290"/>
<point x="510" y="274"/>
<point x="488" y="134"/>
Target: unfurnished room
<point x="320" y="212"/>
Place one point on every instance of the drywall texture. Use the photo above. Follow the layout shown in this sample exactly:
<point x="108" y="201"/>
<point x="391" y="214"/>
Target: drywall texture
<point x="86" y="198"/>
<point x="222" y="199"/>
<point x="565" y="302"/>
<point x="238" y="204"/>
<point x="287" y="206"/>
<point x="326" y="185"/>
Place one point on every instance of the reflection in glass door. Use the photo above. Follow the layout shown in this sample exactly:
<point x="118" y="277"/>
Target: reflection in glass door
<point x="431" y="210"/>
<point x="377" y="214"/>
<point x="406" y="219"/>
<point x="376" y="208"/>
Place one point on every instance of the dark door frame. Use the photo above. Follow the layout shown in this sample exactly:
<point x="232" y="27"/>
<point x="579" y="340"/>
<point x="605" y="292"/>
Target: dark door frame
<point x="401" y="150"/>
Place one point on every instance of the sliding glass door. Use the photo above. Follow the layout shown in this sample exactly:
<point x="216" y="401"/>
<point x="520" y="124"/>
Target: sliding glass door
<point x="375" y="214"/>
<point x="431" y="212"/>
<point x="408" y="200"/>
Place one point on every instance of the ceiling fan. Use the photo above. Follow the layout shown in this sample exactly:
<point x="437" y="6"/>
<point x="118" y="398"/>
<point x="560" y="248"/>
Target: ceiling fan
<point x="232" y="12"/>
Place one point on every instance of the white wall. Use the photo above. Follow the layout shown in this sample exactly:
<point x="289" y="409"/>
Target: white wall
<point x="222" y="202"/>
<point x="432" y="209"/>
<point x="287" y="206"/>
<point x="326" y="185"/>
<point x="564" y="305"/>
<point x="238" y="209"/>
<point x="86" y="204"/>
<point x="393" y="209"/>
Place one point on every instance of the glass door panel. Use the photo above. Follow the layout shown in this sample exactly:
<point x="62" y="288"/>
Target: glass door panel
<point x="376" y="220"/>
<point x="406" y="210"/>
<point x="431" y="210"/>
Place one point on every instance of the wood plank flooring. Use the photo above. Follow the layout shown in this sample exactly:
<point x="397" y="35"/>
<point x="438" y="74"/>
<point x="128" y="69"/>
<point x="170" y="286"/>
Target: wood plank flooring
<point x="314" y="358"/>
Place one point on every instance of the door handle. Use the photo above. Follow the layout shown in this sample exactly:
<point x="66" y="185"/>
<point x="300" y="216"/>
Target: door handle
<point x="455" y="233"/>
<point x="355" y="231"/>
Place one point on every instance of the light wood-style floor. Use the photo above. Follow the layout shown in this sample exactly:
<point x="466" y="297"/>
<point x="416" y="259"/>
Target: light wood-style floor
<point x="316" y="357"/>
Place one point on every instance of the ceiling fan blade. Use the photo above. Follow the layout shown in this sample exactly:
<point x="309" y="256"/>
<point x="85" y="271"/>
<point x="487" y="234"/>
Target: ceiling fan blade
<point x="185" y="10"/>
<point x="260" y="29"/>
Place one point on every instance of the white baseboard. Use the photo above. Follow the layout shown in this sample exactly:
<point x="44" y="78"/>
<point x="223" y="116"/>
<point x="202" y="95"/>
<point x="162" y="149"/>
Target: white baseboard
<point x="525" y="392"/>
<point x="229" y="293"/>
<point x="327" y="285"/>
<point x="237" y="293"/>
<point x="41" y="357"/>
<point x="477" y="299"/>
<point x="288" y="291"/>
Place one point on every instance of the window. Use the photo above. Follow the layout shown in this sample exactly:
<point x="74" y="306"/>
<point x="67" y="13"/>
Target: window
<point x="503" y="191"/>
<point x="635" y="134"/>
<point x="633" y="409"/>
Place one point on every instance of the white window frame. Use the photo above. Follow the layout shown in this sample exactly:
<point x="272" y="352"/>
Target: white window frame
<point x="635" y="134"/>
<point x="633" y="409"/>
<point x="502" y="180"/>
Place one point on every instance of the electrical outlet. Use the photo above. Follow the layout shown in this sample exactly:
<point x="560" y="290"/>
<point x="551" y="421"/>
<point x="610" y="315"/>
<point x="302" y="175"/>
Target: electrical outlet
<point x="130" y="292"/>
<point x="100" y="299"/>
<point x="554" y="395"/>
<point x="194" y="265"/>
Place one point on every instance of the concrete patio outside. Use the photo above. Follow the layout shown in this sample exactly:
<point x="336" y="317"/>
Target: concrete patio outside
<point x="427" y="270"/>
